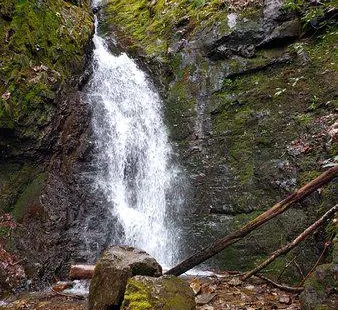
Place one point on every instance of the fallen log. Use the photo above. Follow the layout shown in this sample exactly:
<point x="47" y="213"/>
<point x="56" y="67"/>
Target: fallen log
<point x="81" y="272"/>
<point x="277" y="209"/>
<point x="286" y="248"/>
<point x="62" y="285"/>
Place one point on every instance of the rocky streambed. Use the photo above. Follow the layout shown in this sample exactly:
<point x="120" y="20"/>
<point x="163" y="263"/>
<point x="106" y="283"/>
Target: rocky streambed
<point x="130" y="279"/>
<point x="211" y="293"/>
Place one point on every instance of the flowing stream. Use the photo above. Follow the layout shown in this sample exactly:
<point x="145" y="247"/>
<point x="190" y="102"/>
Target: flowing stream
<point x="136" y="174"/>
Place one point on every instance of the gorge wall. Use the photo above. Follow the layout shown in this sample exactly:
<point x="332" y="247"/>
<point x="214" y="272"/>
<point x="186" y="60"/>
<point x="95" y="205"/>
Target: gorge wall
<point x="250" y="106"/>
<point x="44" y="140"/>
<point x="245" y="110"/>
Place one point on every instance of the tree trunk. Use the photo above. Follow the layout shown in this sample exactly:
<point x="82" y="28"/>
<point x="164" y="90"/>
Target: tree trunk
<point x="277" y="209"/>
<point x="81" y="272"/>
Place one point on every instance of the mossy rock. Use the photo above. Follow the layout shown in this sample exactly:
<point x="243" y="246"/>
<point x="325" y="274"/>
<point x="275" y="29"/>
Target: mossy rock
<point x="44" y="45"/>
<point x="320" y="289"/>
<point x="112" y="271"/>
<point x="164" y="293"/>
<point x="154" y="26"/>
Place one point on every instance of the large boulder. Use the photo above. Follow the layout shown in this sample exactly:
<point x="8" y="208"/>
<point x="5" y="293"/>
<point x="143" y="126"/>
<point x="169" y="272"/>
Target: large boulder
<point x="167" y="292"/>
<point x="112" y="271"/>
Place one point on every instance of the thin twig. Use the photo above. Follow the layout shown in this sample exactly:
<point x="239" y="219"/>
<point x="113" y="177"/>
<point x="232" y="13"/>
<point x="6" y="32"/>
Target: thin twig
<point x="316" y="264"/>
<point x="299" y="270"/>
<point x="281" y="286"/>
<point x="16" y="263"/>
<point x="286" y="266"/>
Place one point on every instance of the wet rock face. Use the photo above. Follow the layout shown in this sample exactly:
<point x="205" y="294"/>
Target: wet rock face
<point x="112" y="271"/>
<point x="249" y="120"/>
<point x="43" y="59"/>
<point x="243" y="37"/>
<point x="58" y="208"/>
<point x="45" y="137"/>
<point x="167" y="292"/>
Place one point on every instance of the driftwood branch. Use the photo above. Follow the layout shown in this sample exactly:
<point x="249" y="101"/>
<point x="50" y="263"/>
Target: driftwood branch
<point x="277" y="209"/>
<point x="292" y="244"/>
<point x="81" y="272"/>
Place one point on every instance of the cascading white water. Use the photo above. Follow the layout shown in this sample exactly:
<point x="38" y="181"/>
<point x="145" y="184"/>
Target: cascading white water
<point x="134" y="152"/>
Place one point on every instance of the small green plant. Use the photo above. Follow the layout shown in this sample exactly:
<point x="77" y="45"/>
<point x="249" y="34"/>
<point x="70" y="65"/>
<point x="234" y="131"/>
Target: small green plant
<point x="314" y="103"/>
<point x="311" y="12"/>
<point x="197" y="3"/>
<point x="228" y="83"/>
<point x="293" y="5"/>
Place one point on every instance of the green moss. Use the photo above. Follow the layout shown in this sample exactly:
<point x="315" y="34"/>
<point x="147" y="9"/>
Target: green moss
<point x="318" y="288"/>
<point x="157" y="293"/>
<point x="137" y="296"/>
<point x="252" y="110"/>
<point x="28" y="197"/>
<point x="333" y="149"/>
<point x="53" y="33"/>
<point x="7" y="8"/>
<point x="251" y="13"/>
<point x="241" y="157"/>
<point x="304" y="119"/>
<point x="180" y="104"/>
<point x="322" y="307"/>
<point x="307" y="176"/>
<point x="154" y="25"/>
<point x="175" y="302"/>
<point x="14" y="179"/>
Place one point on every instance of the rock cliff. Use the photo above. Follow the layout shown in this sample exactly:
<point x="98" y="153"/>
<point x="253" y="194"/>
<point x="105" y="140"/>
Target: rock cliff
<point x="249" y="90"/>
<point x="44" y="133"/>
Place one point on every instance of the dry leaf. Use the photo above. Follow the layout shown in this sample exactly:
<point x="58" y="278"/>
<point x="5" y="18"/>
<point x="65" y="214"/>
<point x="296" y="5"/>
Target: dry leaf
<point x="204" y="298"/>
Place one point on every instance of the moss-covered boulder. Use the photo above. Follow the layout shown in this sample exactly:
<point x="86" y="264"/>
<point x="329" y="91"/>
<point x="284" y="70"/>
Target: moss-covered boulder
<point x="112" y="271"/>
<point x="164" y="293"/>
<point x="320" y="289"/>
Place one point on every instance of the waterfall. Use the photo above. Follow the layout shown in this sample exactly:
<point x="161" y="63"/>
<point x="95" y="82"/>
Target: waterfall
<point x="136" y="174"/>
